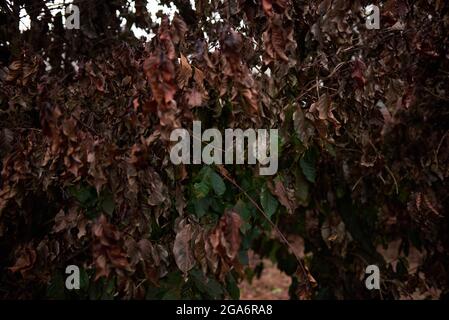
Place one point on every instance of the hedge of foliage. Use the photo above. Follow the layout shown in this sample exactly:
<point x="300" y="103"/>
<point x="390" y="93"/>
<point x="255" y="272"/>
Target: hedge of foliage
<point x="86" y="176"/>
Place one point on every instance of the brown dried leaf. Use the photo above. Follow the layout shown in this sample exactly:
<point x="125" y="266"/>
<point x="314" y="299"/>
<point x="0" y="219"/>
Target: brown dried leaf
<point x="185" y="72"/>
<point x="285" y="197"/>
<point x="182" y="249"/>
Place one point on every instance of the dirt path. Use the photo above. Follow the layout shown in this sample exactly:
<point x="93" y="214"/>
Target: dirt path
<point x="272" y="285"/>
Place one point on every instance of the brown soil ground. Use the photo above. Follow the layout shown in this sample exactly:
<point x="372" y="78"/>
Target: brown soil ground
<point x="272" y="285"/>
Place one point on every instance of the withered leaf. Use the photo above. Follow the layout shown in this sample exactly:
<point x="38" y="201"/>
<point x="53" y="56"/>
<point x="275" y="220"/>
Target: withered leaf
<point x="185" y="72"/>
<point x="182" y="249"/>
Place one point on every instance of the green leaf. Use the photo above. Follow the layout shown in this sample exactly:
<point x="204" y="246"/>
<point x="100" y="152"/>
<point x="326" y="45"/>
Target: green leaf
<point x="307" y="164"/>
<point x="232" y="287"/>
<point x="217" y="183"/>
<point x="84" y="279"/>
<point x="201" y="206"/>
<point x="201" y="189"/>
<point x="208" y="286"/>
<point x="204" y="173"/>
<point x="108" y="204"/>
<point x="301" y="188"/>
<point x="171" y="295"/>
<point x="268" y="202"/>
<point x="86" y="195"/>
<point x="109" y="290"/>
<point x="242" y="208"/>
<point x="55" y="289"/>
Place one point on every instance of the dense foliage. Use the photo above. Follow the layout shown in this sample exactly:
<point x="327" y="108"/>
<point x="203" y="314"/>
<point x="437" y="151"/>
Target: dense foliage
<point x="86" y="177"/>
